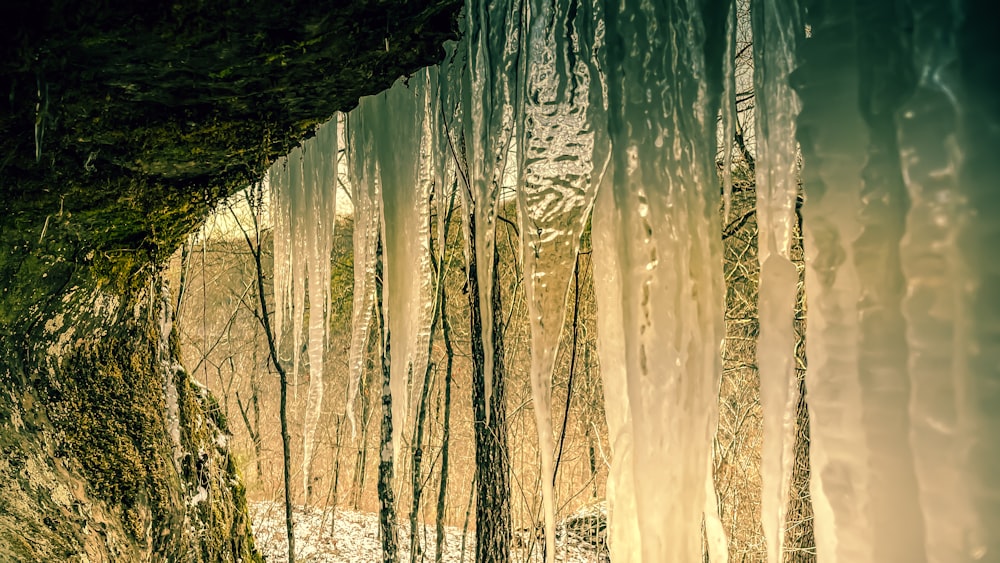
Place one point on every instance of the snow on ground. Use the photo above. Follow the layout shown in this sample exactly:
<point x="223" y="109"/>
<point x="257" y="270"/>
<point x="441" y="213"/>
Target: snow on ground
<point x="354" y="539"/>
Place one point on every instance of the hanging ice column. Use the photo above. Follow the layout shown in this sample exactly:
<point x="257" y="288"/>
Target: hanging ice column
<point x="776" y="30"/>
<point x="833" y="139"/>
<point x="863" y="488"/>
<point x="903" y="431"/>
<point x="303" y="198"/>
<point x="658" y="270"/>
<point x="492" y="39"/>
<point x="399" y="124"/>
<point x="367" y="210"/>
<point x="562" y="154"/>
<point x="947" y="130"/>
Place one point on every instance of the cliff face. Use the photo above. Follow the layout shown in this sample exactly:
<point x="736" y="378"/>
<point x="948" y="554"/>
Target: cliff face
<point x="123" y="123"/>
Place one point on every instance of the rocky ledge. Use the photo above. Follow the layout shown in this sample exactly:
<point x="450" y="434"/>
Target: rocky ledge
<point x="123" y="124"/>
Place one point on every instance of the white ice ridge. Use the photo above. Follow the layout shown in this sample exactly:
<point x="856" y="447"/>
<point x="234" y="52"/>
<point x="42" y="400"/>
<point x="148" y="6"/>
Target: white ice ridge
<point x="776" y="30"/>
<point x="562" y="153"/>
<point x="367" y="204"/>
<point x="303" y="199"/>
<point x="399" y="123"/>
<point x="488" y="120"/>
<point x="657" y="262"/>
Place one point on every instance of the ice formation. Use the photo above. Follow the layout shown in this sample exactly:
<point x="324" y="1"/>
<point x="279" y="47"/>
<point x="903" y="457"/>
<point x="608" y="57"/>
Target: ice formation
<point x="303" y="199"/>
<point x="776" y="26"/>
<point x="399" y="122"/>
<point x="902" y="372"/>
<point x="487" y="103"/>
<point x="562" y="153"/>
<point x="661" y="220"/>
<point x="367" y="210"/>
<point x="727" y="125"/>
<point x="896" y="125"/>
<point x="948" y="254"/>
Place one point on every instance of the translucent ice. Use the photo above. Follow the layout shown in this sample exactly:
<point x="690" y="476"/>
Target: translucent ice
<point x="399" y="122"/>
<point x="562" y="153"/>
<point x="492" y="41"/>
<point x="367" y="201"/>
<point x="303" y="199"/>
<point x="776" y="29"/>
<point x="661" y="225"/>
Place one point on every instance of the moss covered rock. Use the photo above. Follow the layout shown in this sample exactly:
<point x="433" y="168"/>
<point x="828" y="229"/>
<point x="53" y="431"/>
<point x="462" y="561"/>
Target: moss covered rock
<point x="123" y="123"/>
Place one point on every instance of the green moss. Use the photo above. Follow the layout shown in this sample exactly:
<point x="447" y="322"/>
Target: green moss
<point x="110" y="416"/>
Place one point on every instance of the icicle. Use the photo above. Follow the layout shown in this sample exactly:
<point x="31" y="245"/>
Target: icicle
<point x="663" y="218"/>
<point x="401" y="134"/>
<point x="298" y="222"/>
<point x="623" y="518"/>
<point x="893" y="507"/>
<point x="320" y="154"/>
<point x="282" y="235"/>
<point x="446" y="109"/>
<point x="729" y="111"/>
<point x="366" y="199"/>
<point x="948" y="258"/>
<point x="492" y="36"/>
<point x="562" y="151"/>
<point x="303" y="209"/>
<point x="978" y="238"/>
<point x="833" y="140"/>
<point x="776" y="28"/>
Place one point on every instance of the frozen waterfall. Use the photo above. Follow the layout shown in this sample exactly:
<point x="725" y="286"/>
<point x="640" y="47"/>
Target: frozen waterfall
<point x="303" y="199"/>
<point x="880" y="116"/>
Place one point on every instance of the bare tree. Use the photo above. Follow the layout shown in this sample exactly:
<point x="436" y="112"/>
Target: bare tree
<point x="448" y="369"/>
<point x="265" y="320"/>
<point x="387" y="501"/>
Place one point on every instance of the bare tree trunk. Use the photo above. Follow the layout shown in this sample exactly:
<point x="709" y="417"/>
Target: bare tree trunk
<point x="446" y="432"/>
<point x="252" y="430"/>
<point x="572" y="366"/>
<point x="493" y="495"/>
<point x="416" y="475"/>
<point x="265" y="321"/>
<point x="387" y="501"/>
<point x="361" y="461"/>
<point x="468" y="512"/>
<point x="335" y="488"/>
<point x="255" y="400"/>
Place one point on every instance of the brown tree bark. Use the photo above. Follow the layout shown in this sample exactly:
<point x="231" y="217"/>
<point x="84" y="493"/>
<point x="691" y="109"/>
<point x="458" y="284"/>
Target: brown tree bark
<point x="387" y="501"/>
<point x="493" y="521"/>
